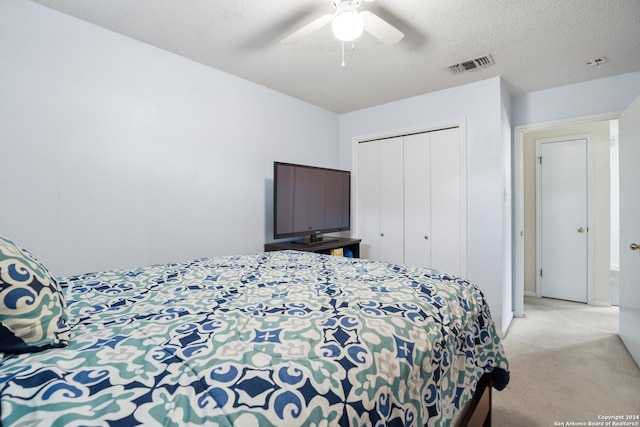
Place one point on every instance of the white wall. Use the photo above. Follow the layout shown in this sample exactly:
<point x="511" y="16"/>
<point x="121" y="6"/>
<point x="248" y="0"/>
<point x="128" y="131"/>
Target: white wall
<point x="115" y="154"/>
<point x="597" y="96"/>
<point x="507" y="215"/>
<point x="479" y="104"/>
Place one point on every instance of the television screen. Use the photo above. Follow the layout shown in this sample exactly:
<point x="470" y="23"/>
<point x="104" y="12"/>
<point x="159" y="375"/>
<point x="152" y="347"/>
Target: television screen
<point x="309" y="201"/>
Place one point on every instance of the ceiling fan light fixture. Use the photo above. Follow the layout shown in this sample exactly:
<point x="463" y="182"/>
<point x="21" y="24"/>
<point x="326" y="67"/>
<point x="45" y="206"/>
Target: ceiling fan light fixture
<point x="347" y="24"/>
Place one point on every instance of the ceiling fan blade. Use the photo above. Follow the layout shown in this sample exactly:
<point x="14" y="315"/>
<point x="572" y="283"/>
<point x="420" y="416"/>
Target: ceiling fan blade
<point x="381" y="29"/>
<point x="308" y="29"/>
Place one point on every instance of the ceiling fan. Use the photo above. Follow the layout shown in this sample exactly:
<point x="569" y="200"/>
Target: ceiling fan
<point x="348" y="24"/>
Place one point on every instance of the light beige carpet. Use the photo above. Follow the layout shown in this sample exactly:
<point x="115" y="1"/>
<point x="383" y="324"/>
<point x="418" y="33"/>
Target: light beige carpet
<point x="568" y="365"/>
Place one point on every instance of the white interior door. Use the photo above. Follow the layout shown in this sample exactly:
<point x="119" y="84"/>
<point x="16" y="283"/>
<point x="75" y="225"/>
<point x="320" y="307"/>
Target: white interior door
<point x="629" y="149"/>
<point x="562" y="221"/>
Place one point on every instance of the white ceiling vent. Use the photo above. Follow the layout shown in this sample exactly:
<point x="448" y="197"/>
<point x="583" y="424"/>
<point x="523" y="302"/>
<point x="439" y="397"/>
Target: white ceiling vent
<point x="474" y="64"/>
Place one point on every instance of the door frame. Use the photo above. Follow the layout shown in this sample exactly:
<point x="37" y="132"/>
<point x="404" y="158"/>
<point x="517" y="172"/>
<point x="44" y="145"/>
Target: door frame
<point x="590" y="213"/>
<point x="518" y="193"/>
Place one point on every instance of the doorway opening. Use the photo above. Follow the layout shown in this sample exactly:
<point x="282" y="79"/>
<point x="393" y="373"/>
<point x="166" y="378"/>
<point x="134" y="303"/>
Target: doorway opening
<point x="602" y="130"/>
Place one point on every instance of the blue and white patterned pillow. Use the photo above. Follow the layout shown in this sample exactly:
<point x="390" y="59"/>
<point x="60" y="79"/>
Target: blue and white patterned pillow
<point x="33" y="313"/>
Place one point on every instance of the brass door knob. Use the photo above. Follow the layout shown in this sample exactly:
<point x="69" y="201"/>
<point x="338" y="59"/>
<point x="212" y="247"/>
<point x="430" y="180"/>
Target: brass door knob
<point x="634" y="246"/>
<point x="580" y="230"/>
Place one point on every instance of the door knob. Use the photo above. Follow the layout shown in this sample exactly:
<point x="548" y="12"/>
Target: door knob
<point x="580" y="230"/>
<point x="381" y="234"/>
<point x="634" y="246"/>
<point x="426" y="237"/>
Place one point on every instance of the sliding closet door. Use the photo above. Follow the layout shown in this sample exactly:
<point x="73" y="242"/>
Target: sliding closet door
<point x="448" y="206"/>
<point x="417" y="190"/>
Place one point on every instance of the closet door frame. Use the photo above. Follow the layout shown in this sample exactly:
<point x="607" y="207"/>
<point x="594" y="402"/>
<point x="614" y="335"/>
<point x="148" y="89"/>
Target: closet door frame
<point x="461" y="125"/>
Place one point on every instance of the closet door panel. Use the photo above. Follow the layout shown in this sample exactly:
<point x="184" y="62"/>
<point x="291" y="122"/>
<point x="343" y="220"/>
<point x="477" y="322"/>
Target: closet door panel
<point x="369" y="199"/>
<point x="417" y="196"/>
<point x="447" y="202"/>
<point x="391" y="200"/>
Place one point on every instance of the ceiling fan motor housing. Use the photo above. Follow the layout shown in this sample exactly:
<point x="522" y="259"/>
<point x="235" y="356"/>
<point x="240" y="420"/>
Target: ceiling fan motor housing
<point x="347" y="23"/>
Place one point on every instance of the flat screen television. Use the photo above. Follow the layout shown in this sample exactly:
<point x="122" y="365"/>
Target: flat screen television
<point x="309" y="201"/>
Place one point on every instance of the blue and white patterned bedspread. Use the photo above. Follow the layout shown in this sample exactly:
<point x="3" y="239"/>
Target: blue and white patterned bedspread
<point x="277" y="338"/>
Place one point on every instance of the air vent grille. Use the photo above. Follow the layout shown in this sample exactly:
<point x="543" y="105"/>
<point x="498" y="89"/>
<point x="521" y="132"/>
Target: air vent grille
<point x="473" y="64"/>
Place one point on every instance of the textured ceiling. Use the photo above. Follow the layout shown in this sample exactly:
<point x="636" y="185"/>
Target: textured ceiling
<point x="536" y="44"/>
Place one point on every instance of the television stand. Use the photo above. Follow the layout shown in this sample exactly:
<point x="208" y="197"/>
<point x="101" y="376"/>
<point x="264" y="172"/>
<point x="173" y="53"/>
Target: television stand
<point x="323" y="247"/>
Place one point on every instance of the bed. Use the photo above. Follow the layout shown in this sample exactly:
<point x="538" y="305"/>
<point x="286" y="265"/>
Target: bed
<point x="270" y="339"/>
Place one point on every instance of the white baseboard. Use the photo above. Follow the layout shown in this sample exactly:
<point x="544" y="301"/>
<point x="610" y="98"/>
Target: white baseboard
<point x="593" y="302"/>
